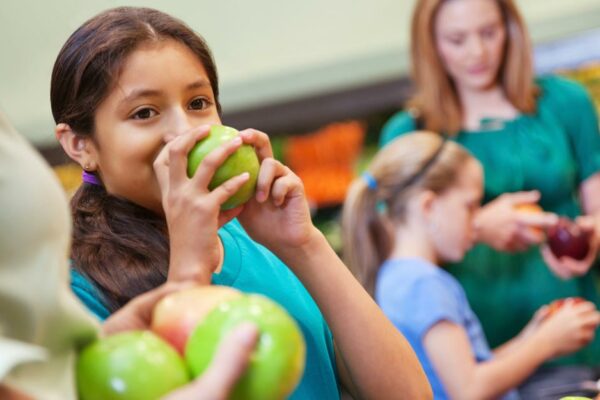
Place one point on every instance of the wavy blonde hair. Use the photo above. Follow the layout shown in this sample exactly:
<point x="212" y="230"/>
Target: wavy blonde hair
<point x="371" y="212"/>
<point x="436" y="100"/>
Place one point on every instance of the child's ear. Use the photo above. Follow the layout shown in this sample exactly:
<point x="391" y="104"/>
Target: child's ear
<point x="425" y="201"/>
<point x="79" y="148"/>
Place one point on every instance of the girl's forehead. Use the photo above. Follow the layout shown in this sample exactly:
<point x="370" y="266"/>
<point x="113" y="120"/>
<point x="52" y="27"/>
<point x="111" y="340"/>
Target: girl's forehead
<point x="458" y="14"/>
<point x="159" y="61"/>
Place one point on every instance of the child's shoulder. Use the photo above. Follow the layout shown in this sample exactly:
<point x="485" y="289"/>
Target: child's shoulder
<point x="88" y="294"/>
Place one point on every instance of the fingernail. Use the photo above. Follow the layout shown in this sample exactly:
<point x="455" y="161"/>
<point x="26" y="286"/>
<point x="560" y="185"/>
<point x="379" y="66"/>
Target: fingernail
<point x="245" y="175"/>
<point x="237" y="140"/>
<point x="260" y="195"/>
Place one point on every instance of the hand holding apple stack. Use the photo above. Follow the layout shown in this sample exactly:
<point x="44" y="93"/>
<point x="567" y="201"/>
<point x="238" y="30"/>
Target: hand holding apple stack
<point x="192" y="322"/>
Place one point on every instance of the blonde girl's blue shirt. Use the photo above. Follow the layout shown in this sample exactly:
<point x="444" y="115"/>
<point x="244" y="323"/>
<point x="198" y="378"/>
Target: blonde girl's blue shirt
<point x="553" y="150"/>
<point x="415" y="295"/>
<point x="252" y="268"/>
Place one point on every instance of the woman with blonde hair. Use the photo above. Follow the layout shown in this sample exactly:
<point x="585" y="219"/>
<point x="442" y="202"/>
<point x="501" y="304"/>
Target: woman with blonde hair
<point x="538" y="142"/>
<point x="411" y="212"/>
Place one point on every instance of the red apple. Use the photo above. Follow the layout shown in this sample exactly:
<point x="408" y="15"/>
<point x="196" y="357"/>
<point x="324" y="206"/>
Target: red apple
<point x="243" y="160"/>
<point x="176" y="315"/>
<point x="557" y="304"/>
<point x="567" y="239"/>
<point x="277" y="362"/>
<point x="127" y="366"/>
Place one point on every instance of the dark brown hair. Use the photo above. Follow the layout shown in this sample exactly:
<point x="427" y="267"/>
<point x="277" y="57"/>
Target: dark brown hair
<point x="436" y="99"/>
<point x="121" y="247"/>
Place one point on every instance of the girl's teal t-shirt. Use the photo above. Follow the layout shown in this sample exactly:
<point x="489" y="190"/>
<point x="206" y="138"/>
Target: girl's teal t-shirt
<point x="251" y="268"/>
<point x="553" y="150"/>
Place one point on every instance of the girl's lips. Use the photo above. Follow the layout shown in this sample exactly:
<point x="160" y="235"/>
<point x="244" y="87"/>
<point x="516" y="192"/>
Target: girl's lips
<point x="478" y="69"/>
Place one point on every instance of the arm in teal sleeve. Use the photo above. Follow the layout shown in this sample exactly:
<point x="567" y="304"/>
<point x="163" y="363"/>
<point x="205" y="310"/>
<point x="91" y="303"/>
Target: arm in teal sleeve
<point x="89" y="295"/>
<point x="575" y="109"/>
<point x="399" y="124"/>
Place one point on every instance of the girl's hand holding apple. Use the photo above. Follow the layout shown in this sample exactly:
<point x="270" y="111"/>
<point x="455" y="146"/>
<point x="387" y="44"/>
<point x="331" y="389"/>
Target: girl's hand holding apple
<point x="192" y="210"/>
<point x="278" y="216"/>
<point x="568" y="328"/>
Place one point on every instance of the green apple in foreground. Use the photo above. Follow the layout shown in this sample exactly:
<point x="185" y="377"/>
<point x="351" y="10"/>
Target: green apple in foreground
<point x="277" y="363"/>
<point x="243" y="160"/>
<point x="575" y="398"/>
<point x="129" y="366"/>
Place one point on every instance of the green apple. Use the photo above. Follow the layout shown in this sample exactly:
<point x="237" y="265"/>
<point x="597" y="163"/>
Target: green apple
<point x="575" y="398"/>
<point x="129" y="366"/>
<point x="243" y="160"/>
<point x="277" y="363"/>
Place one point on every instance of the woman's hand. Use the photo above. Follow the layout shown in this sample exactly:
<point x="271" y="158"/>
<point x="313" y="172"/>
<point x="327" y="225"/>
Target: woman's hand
<point x="567" y="267"/>
<point x="502" y="226"/>
<point x="226" y="368"/>
<point x="191" y="209"/>
<point x="278" y="215"/>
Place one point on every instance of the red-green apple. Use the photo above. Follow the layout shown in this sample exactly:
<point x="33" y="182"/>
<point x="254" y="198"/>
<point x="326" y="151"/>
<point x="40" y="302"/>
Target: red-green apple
<point x="567" y="239"/>
<point x="129" y="366"/>
<point x="243" y="160"/>
<point x="176" y="315"/>
<point x="277" y="363"/>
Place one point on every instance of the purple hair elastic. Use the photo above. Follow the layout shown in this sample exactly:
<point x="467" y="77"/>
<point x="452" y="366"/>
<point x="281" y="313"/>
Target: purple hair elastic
<point x="90" y="178"/>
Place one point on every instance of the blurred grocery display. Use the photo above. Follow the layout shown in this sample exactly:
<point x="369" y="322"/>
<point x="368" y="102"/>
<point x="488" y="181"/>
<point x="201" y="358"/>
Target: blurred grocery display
<point x="328" y="158"/>
<point x="325" y="160"/>
<point x="69" y="176"/>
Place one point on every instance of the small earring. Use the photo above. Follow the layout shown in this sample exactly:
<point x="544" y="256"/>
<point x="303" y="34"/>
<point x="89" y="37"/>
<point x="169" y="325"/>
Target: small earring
<point x="86" y="167"/>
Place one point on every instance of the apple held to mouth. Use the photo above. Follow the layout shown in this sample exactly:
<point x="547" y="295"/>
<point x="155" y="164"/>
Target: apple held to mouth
<point x="277" y="363"/>
<point x="567" y="239"/>
<point x="242" y="160"/>
<point x="129" y="366"/>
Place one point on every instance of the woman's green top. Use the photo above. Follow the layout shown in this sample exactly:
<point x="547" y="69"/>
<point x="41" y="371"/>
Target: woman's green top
<point x="553" y="150"/>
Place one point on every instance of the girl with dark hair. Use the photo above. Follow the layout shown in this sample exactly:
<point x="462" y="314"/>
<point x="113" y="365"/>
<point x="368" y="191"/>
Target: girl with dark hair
<point x="133" y="90"/>
<point x="42" y="330"/>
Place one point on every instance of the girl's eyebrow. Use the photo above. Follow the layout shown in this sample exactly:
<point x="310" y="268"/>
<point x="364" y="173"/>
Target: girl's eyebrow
<point x="200" y="83"/>
<point x="136" y="93"/>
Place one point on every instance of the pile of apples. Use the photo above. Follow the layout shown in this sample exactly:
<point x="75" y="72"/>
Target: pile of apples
<point x="187" y="327"/>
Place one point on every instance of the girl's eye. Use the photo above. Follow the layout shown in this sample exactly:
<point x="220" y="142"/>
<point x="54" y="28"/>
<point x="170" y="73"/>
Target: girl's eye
<point x="199" y="103"/>
<point x="457" y="41"/>
<point x="488" y="33"/>
<point x="144" y="113"/>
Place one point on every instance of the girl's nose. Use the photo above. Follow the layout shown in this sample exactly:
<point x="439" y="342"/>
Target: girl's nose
<point x="178" y="123"/>
<point x="476" y="47"/>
